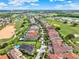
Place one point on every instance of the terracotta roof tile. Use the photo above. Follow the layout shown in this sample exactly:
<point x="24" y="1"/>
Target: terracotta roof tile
<point x="4" y="57"/>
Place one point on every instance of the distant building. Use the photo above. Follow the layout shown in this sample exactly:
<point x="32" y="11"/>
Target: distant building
<point x="4" y="21"/>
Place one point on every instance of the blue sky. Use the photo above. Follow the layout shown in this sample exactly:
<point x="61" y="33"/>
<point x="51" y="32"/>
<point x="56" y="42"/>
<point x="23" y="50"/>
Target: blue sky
<point x="39" y="4"/>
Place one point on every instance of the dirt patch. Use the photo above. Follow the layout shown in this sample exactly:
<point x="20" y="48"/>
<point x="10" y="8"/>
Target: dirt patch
<point x="7" y="32"/>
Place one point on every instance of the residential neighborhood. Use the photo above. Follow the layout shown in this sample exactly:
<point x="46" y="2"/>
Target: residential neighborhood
<point x="35" y="35"/>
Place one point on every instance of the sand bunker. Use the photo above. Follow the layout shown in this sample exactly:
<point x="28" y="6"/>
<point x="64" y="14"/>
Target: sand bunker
<point x="7" y="32"/>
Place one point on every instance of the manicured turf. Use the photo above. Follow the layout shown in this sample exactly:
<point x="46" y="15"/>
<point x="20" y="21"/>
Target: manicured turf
<point x="65" y="28"/>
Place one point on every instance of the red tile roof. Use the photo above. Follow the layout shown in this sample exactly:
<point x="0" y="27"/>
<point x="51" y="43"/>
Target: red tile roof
<point x="4" y="57"/>
<point x="59" y="47"/>
<point x="54" y="56"/>
<point x="57" y="42"/>
<point x="71" y="56"/>
<point x="62" y="56"/>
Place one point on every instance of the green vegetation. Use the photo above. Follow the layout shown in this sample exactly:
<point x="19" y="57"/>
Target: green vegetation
<point x="5" y="15"/>
<point x="65" y="30"/>
<point x="14" y="40"/>
<point x="67" y="15"/>
<point x="22" y="25"/>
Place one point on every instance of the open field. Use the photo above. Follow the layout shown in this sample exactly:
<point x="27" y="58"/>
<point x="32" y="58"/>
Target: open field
<point x="7" y="32"/>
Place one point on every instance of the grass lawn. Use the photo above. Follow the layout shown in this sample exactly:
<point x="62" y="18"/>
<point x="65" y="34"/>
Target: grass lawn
<point x="28" y="43"/>
<point x="65" y="28"/>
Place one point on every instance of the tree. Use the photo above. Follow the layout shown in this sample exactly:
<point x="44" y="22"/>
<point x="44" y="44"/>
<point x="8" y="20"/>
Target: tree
<point x="57" y="28"/>
<point x="65" y="21"/>
<point x="70" y="36"/>
<point x="3" y="45"/>
<point x="74" y="24"/>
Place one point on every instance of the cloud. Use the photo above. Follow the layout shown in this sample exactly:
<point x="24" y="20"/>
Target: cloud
<point x="18" y="4"/>
<point x="51" y="0"/>
<point x="20" y="8"/>
<point x="56" y="0"/>
<point x="2" y="5"/>
<point x="15" y="2"/>
<point x="34" y="4"/>
<point x="21" y="2"/>
<point x="29" y="1"/>
<point x="60" y="0"/>
<point x="67" y="6"/>
<point x="69" y="1"/>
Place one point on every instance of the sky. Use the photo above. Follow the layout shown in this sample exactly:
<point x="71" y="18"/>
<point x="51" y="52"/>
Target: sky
<point x="39" y="4"/>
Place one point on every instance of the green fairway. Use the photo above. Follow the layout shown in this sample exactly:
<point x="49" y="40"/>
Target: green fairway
<point x="66" y="29"/>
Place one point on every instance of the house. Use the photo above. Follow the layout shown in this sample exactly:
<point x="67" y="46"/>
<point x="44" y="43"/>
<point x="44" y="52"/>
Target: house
<point x="63" y="56"/>
<point x="15" y="54"/>
<point x="4" y="57"/>
<point x="29" y="49"/>
<point x="4" y="21"/>
<point x="55" y="56"/>
<point x="60" y="47"/>
<point x="32" y="33"/>
<point x="71" y="56"/>
<point x="57" y="43"/>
